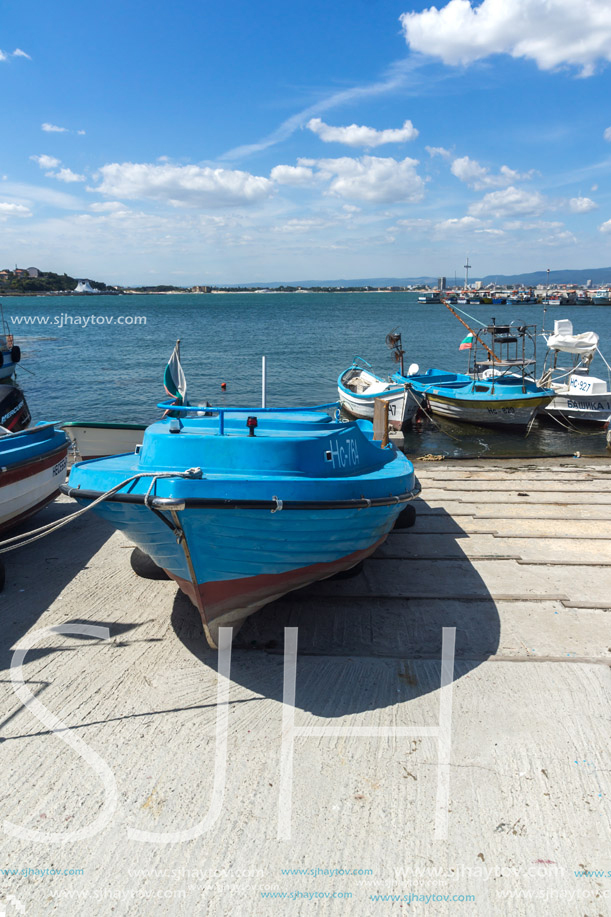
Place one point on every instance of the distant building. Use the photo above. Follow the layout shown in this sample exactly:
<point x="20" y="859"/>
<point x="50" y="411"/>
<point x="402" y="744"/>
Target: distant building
<point x="83" y="286"/>
<point x="33" y="271"/>
<point x="442" y="283"/>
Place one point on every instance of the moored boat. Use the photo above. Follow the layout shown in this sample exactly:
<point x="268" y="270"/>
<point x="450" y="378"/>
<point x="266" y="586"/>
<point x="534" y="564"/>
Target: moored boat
<point x="504" y="400"/>
<point x="497" y="391"/>
<point x="359" y="388"/>
<point x="578" y="395"/>
<point x="33" y="465"/>
<point x="240" y="506"/>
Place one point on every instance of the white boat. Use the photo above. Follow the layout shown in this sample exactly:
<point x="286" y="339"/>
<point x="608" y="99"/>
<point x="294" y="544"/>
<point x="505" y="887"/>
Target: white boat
<point x="95" y="439"/>
<point x="579" y="396"/>
<point x="32" y="467"/>
<point x="359" y="388"/>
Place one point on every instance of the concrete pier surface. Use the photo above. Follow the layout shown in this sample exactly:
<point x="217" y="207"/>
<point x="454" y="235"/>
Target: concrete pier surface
<point x="479" y="786"/>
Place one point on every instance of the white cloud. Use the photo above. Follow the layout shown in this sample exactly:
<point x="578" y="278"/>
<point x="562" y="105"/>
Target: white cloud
<point x="50" y="162"/>
<point x="507" y="202"/>
<point x="8" y="209"/>
<point x="66" y="175"/>
<point x="4" y="55"/>
<point x="182" y="185"/>
<point x="459" y="224"/>
<point x="550" y="32"/>
<point x="371" y="178"/>
<point x="106" y="206"/>
<point x="606" y="227"/>
<point x="81" y="133"/>
<point x="25" y="193"/>
<point x="305" y="225"/>
<point x="582" y="205"/>
<point x="53" y="128"/>
<point x="292" y="175"/>
<point x="477" y="176"/>
<point x="607" y="134"/>
<point x="438" y="151"/>
<point x="46" y="162"/>
<point x="356" y="135"/>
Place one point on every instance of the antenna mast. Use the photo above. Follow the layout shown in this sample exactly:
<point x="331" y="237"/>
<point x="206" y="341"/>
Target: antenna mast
<point x="467" y="266"/>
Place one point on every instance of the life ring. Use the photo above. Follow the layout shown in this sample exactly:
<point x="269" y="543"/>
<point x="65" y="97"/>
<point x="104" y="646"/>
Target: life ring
<point x="16" y="353"/>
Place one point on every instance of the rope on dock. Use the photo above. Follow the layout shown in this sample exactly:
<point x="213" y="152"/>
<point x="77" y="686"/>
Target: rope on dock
<point x="19" y="541"/>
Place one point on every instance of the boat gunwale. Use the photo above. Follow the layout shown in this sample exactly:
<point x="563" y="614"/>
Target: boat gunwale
<point x="219" y="503"/>
<point x="58" y="452"/>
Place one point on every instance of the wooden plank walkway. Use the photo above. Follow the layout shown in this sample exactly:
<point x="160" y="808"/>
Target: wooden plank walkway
<point x="515" y="555"/>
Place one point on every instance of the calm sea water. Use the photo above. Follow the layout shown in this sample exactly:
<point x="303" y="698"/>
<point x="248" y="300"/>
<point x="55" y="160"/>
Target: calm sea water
<point x="112" y="371"/>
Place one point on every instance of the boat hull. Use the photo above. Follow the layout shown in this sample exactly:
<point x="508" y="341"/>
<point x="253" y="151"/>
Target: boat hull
<point x="27" y="486"/>
<point x="510" y="413"/>
<point x="233" y="561"/>
<point x="580" y="408"/>
<point x="401" y="406"/>
<point x="96" y="440"/>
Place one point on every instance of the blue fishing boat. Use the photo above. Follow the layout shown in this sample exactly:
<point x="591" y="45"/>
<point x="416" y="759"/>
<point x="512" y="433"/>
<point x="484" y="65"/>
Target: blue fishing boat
<point x="240" y="506"/>
<point x="497" y="391"/>
<point x="502" y="400"/>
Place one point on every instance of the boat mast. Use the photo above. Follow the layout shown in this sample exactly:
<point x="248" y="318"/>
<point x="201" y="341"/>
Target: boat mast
<point x="491" y="353"/>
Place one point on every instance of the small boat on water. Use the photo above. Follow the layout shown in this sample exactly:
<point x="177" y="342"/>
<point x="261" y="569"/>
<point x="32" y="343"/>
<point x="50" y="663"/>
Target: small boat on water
<point x="97" y="439"/>
<point x="505" y="400"/>
<point x="578" y="395"/>
<point x="497" y="391"/>
<point x="359" y="388"/>
<point x="32" y="467"/>
<point x="240" y="506"/>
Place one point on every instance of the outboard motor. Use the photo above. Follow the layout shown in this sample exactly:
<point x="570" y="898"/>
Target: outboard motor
<point x="14" y="411"/>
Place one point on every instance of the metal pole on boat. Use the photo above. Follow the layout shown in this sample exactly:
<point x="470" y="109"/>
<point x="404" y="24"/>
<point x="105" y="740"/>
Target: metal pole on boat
<point x="263" y="382"/>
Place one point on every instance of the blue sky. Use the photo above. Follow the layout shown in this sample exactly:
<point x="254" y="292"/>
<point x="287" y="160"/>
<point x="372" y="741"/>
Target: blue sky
<point x="145" y="142"/>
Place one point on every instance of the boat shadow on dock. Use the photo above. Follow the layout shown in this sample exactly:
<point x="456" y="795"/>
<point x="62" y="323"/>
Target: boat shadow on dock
<point x="394" y="610"/>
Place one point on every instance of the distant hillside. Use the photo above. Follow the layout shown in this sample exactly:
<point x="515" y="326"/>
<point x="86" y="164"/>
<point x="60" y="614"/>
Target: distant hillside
<point x="359" y="282"/>
<point x="19" y="281"/>
<point x="598" y="276"/>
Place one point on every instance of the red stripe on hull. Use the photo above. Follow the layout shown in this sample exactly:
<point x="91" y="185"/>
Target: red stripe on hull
<point x="25" y="470"/>
<point x="219" y="598"/>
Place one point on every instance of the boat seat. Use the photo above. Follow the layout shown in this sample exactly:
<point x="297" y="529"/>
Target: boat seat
<point x="505" y="339"/>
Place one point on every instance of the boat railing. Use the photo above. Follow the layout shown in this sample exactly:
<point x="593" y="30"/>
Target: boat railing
<point x="204" y="409"/>
<point x="360" y="361"/>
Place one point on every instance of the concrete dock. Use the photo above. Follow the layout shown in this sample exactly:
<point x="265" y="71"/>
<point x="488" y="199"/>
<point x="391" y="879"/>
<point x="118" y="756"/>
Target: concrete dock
<point x="480" y="787"/>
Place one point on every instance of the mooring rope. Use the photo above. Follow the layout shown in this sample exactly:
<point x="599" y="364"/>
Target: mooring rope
<point x="19" y="541"/>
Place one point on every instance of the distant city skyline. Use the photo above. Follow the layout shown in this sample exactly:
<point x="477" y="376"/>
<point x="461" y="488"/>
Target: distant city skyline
<point x="200" y="145"/>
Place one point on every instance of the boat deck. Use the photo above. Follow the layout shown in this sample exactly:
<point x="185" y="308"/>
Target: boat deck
<point x="516" y="555"/>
